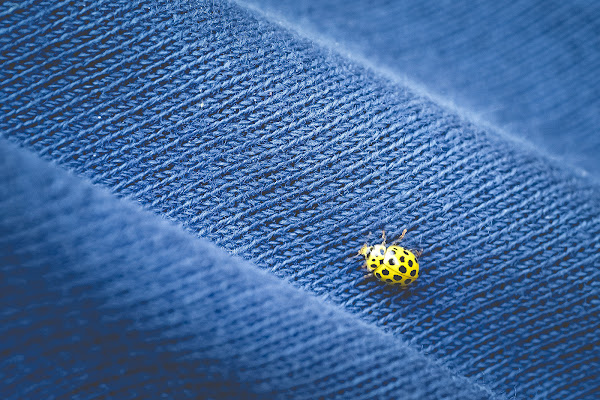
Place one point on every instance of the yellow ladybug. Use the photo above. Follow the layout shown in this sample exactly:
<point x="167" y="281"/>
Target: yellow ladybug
<point x="393" y="265"/>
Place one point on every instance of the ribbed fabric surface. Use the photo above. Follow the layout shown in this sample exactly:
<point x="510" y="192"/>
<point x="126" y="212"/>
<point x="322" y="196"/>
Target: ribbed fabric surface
<point x="144" y="310"/>
<point x="528" y="67"/>
<point x="288" y="155"/>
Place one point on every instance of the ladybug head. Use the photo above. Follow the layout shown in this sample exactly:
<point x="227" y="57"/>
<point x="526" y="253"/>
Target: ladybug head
<point x="365" y="250"/>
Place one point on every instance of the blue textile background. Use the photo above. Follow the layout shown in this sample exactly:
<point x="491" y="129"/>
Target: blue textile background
<point x="145" y="310"/>
<point x="262" y="133"/>
<point x="527" y="68"/>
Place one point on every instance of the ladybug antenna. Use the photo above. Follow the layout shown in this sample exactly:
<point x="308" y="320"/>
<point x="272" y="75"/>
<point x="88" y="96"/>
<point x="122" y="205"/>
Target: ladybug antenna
<point x="400" y="238"/>
<point x="363" y="250"/>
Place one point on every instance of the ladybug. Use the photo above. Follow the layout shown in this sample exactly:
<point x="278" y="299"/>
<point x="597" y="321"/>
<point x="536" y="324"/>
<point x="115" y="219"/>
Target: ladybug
<point x="393" y="265"/>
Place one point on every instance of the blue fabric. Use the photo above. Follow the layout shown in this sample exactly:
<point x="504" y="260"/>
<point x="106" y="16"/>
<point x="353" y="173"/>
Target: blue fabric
<point x="284" y="135"/>
<point x="526" y="69"/>
<point x="144" y="309"/>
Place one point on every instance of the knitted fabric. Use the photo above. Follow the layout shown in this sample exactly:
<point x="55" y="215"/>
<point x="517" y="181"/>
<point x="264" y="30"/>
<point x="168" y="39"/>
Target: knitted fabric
<point x="280" y="151"/>
<point x="144" y="309"/>
<point x="528" y="67"/>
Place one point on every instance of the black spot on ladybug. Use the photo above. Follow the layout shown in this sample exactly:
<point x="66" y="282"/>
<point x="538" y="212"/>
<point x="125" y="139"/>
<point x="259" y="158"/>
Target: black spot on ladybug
<point x="392" y="261"/>
<point x="405" y="252"/>
<point x="389" y="280"/>
<point x="380" y="261"/>
<point x="374" y="266"/>
<point x="413" y="272"/>
<point x="402" y="259"/>
<point x="410" y="263"/>
<point x="385" y="272"/>
<point x="378" y="275"/>
<point x="397" y="277"/>
<point x="402" y="269"/>
<point x="407" y="281"/>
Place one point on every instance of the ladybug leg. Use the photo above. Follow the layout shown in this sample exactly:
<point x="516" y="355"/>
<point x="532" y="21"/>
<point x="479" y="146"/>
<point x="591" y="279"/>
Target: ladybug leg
<point x="418" y="253"/>
<point x="383" y="236"/>
<point x="400" y="238"/>
<point x="365" y="268"/>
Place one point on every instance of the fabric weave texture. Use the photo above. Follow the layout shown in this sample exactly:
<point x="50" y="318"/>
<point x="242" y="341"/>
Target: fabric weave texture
<point x="287" y="135"/>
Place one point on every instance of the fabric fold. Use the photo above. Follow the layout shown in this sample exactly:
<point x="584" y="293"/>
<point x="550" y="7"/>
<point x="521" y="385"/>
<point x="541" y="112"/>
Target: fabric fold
<point x="290" y="156"/>
<point x="100" y="298"/>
